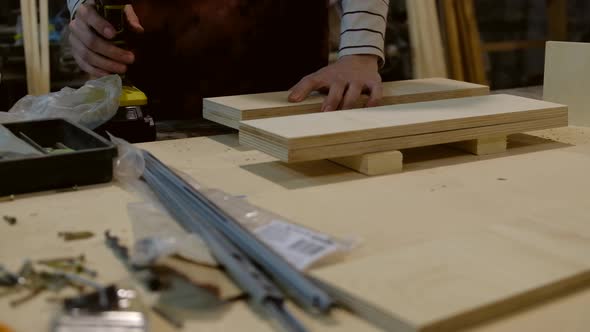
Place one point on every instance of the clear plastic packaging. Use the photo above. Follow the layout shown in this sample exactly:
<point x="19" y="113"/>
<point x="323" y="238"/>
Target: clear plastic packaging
<point x="90" y="106"/>
<point x="129" y="164"/>
<point x="301" y="246"/>
<point x="158" y="235"/>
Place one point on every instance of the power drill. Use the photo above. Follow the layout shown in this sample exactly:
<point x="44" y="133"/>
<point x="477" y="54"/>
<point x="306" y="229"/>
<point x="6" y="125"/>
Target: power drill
<point x="113" y="11"/>
<point x="132" y="121"/>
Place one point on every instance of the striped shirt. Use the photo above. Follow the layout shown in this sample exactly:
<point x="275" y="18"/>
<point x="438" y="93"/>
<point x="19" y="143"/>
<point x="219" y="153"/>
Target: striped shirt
<point x="362" y="28"/>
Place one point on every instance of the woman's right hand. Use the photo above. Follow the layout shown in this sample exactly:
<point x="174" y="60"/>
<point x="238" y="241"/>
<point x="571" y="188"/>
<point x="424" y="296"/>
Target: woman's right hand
<point x="90" y="36"/>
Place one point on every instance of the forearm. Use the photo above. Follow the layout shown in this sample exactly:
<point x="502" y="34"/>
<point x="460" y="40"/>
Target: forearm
<point x="363" y="27"/>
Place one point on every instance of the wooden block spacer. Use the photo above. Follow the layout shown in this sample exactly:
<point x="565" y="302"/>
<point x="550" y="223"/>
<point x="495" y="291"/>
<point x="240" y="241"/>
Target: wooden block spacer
<point x="389" y="162"/>
<point x="483" y="146"/>
<point x="371" y="164"/>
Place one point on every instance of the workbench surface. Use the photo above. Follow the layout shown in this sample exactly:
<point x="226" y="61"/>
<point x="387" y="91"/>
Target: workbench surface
<point x="442" y="193"/>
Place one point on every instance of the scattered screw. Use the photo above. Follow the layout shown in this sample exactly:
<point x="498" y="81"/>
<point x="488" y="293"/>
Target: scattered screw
<point x="10" y="220"/>
<point x="32" y="294"/>
<point x="63" y="260"/>
<point x="72" y="264"/>
<point x="113" y="242"/>
<point x="73" y="236"/>
<point x="34" y="282"/>
<point x="7" y="278"/>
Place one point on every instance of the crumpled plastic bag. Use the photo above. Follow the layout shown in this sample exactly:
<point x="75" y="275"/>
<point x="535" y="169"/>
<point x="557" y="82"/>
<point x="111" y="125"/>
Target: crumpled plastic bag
<point x="129" y="165"/>
<point x="90" y="106"/>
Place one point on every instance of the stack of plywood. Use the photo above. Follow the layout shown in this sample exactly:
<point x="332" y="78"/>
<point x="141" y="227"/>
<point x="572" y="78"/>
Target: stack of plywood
<point x="229" y="111"/>
<point x="361" y="131"/>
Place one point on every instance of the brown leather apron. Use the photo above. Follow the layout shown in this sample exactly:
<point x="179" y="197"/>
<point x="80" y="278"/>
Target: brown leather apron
<point x="202" y="48"/>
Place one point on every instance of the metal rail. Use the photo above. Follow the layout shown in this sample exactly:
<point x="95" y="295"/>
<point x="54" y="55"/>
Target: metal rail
<point x="260" y="289"/>
<point x="249" y="261"/>
<point x="303" y="291"/>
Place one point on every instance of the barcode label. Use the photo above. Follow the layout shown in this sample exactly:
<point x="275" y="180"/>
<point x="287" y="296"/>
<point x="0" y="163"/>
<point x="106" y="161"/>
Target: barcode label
<point x="307" y="248"/>
<point x="298" y="245"/>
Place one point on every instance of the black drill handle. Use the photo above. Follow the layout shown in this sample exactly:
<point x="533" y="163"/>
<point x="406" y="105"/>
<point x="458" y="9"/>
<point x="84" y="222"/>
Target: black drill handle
<point x="113" y="11"/>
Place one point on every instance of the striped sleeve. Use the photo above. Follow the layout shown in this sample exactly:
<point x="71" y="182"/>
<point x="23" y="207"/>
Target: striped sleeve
<point x="73" y="6"/>
<point x="363" y="27"/>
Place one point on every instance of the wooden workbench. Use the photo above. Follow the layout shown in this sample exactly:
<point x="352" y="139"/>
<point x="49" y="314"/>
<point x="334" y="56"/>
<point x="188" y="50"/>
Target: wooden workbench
<point x="442" y="193"/>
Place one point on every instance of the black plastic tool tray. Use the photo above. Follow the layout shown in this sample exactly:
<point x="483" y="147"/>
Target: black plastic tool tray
<point x="91" y="162"/>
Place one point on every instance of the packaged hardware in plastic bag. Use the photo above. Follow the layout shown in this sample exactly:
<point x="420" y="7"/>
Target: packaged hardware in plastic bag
<point x="301" y="246"/>
<point x="157" y="234"/>
<point x="90" y="106"/>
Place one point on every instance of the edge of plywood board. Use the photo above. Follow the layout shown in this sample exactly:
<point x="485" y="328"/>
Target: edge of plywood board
<point x="396" y="143"/>
<point x="273" y="104"/>
<point x="454" y="282"/>
<point x="220" y="118"/>
<point x="321" y="129"/>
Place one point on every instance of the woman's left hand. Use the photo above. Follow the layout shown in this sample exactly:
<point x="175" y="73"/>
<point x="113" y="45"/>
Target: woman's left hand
<point x="345" y="80"/>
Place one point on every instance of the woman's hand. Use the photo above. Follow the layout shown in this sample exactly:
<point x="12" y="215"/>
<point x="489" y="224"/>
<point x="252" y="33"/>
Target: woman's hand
<point x="90" y="36"/>
<point x="345" y="80"/>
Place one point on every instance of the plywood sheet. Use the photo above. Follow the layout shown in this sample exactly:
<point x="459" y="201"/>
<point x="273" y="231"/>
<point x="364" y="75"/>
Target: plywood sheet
<point x="396" y="143"/>
<point x="437" y="205"/>
<point x="567" y="78"/>
<point x="518" y="233"/>
<point x="231" y="110"/>
<point x="400" y="126"/>
<point x="442" y="285"/>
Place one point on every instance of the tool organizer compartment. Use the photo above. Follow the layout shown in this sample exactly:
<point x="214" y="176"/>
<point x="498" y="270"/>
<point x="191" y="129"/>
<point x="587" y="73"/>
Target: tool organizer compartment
<point x="69" y="156"/>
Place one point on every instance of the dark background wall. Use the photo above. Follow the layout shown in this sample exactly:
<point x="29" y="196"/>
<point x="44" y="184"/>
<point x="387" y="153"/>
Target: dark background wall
<point x="499" y="20"/>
